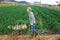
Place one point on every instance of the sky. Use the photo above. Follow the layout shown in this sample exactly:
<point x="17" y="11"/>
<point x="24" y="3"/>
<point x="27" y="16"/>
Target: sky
<point x="52" y="2"/>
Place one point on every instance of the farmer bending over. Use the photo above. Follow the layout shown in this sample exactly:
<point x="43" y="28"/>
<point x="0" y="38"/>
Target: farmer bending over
<point x="31" y="19"/>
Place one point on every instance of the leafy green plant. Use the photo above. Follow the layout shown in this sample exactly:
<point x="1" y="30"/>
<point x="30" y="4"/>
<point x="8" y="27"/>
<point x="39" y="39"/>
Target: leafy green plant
<point x="46" y="18"/>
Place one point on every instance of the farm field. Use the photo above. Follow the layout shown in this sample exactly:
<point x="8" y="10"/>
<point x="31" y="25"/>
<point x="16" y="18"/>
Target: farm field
<point x="28" y="37"/>
<point x="5" y="4"/>
<point x="47" y="20"/>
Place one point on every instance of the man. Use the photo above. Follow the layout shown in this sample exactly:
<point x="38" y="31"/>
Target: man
<point x="31" y="19"/>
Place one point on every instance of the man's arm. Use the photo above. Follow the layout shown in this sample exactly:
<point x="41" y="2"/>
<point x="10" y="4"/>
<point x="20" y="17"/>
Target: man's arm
<point x="32" y="17"/>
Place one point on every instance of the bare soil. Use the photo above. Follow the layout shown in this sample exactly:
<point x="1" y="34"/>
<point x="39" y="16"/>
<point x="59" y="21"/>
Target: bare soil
<point x="28" y="37"/>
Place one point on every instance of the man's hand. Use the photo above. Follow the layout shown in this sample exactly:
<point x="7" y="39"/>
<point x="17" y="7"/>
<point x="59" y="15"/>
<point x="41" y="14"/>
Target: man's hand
<point x="29" y="9"/>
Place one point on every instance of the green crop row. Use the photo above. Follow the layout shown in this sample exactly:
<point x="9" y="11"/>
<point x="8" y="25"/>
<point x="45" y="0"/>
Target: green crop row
<point x="46" y="18"/>
<point x="51" y="21"/>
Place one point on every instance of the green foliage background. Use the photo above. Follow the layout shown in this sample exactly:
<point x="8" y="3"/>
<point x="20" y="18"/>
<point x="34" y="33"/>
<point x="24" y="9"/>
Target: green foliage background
<point x="46" y="18"/>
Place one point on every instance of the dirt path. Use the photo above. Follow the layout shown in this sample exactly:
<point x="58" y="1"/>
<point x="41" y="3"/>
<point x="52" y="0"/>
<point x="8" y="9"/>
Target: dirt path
<point x="28" y="37"/>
